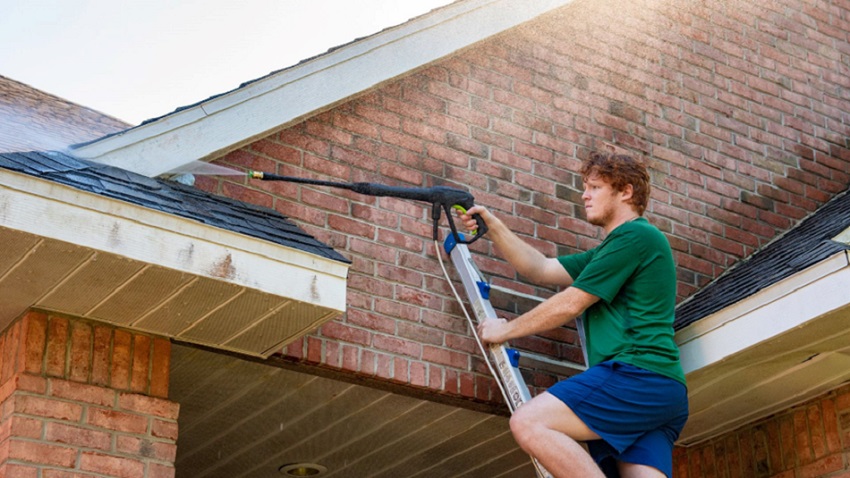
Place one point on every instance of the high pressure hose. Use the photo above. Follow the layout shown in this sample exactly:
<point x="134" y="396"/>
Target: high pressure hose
<point x="474" y="330"/>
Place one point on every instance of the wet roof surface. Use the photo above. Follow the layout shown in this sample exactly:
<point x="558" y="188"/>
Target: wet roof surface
<point x="169" y="197"/>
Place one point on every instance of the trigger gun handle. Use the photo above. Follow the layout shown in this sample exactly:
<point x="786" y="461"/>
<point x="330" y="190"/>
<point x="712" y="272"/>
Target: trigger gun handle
<point x="480" y="230"/>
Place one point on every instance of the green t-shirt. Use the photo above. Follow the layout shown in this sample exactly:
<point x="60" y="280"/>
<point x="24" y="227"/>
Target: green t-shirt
<point x="633" y="274"/>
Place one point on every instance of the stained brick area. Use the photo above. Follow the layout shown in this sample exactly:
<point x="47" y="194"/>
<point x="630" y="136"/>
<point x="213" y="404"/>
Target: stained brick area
<point x="83" y="399"/>
<point x="808" y="441"/>
<point x="739" y="107"/>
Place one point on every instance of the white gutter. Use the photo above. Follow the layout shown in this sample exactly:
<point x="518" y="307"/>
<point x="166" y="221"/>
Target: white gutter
<point x="229" y="121"/>
<point x="780" y="308"/>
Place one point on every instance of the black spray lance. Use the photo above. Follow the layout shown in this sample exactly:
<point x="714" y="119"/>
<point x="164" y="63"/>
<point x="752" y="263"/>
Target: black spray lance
<point x="442" y="198"/>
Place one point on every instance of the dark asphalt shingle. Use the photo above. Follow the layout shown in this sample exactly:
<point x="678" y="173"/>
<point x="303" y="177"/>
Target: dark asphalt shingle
<point x="801" y="247"/>
<point x="169" y="197"/>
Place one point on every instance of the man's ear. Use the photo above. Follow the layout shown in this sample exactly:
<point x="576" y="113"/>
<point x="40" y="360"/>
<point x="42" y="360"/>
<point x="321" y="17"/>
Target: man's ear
<point x="627" y="192"/>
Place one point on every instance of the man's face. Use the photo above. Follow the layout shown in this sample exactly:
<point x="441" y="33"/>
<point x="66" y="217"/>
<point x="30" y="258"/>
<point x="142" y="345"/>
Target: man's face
<point x="600" y="200"/>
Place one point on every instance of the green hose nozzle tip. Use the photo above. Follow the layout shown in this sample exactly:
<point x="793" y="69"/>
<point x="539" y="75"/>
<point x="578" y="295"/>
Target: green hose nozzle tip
<point x="255" y="174"/>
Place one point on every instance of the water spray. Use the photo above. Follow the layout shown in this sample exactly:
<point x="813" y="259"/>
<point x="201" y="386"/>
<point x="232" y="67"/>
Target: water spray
<point x="442" y="198"/>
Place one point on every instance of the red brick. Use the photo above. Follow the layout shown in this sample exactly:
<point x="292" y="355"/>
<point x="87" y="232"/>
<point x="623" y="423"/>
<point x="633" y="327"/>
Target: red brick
<point x="78" y="436"/>
<point x="116" y="466"/>
<point x="57" y="345"/>
<point x="350" y="226"/>
<point x="164" y="429"/>
<point x="80" y="356"/>
<point x="30" y="383"/>
<point x="160" y="368"/>
<point x="81" y="392"/>
<point x="350" y="357"/>
<point x="144" y="448"/>
<point x="8" y="351"/>
<point x="140" y="375"/>
<point x="249" y="195"/>
<point x="121" y="360"/>
<point x="385" y="366"/>
<point x="346" y="333"/>
<point x="368" y="362"/>
<point x="435" y="378"/>
<point x="418" y="374"/>
<point x="149" y="405"/>
<point x="830" y="418"/>
<point x="41" y="453"/>
<point x="156" y="470"/>
<point x="67" y="474"/>
<point x="9" y="470"/>
<point x="332" y="356"/>
<point x="118" y="421"/>
<point x="34" y="342"/>
<point x="445" y="357"/>
<point x="400" y="370"/>
<point x="22" y="427"/>
<point x="314" y="349"/>
<point x="101" y="354"/>
<point x="822" y="467"/>
<point x="48" y="408"/>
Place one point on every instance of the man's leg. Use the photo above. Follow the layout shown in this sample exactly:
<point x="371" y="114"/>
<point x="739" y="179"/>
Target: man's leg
<point x="548" y="430"/>
<point x="633" y="470"/>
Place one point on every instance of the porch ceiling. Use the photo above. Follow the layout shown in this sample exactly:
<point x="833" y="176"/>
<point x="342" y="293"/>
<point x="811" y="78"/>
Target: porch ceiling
<point x="246" y="419"/>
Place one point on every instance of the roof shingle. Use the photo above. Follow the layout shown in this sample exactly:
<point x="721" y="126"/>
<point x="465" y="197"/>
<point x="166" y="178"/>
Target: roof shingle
<point x="805" y="245"/>
<point x="169" y="197"/>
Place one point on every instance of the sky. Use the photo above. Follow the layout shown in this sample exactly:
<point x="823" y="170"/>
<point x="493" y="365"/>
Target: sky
<point x="140" y="59"/>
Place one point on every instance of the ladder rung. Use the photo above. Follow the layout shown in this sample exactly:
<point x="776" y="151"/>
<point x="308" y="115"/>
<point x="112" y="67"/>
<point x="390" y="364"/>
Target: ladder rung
<point x="515" y="293"/>
<point x="542" y="362"/>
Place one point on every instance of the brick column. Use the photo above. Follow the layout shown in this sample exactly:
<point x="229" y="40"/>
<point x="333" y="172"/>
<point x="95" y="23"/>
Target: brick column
<point x="84" y="399"/>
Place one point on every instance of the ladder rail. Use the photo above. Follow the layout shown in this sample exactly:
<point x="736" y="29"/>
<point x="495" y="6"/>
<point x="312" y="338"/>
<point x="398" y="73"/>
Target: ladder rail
<point x="505" y="359"/>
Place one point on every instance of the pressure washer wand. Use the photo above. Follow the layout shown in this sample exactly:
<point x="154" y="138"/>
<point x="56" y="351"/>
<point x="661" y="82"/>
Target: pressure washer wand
<point x="442" y="198"/>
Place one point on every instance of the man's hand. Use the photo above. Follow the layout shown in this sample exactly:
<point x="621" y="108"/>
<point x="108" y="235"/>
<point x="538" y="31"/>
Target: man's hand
<point x="469" y="222"/>
<point x="493" y="331"/>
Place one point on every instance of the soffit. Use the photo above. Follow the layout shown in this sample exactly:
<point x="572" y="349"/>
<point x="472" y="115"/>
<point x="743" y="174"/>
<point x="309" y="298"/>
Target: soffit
<point x="73" y="251"/>
<point x="246" y="419"/>
<point x="217" y="125"/>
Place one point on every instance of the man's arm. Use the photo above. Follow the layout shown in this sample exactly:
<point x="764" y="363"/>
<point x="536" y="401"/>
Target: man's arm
<point x="528" y="261"/>
<point x="556" y="311"/>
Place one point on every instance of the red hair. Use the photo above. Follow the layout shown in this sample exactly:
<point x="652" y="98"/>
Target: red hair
<point x="620" y="170"/>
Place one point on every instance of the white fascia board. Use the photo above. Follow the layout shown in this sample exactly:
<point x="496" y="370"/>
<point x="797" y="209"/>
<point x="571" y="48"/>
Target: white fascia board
<point x="259" y="108"/>
<point x="52" y="210"/>
<point x="772" y="311"/>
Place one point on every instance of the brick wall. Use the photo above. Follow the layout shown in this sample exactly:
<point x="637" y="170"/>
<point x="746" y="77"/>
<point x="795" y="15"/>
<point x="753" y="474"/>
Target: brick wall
<point x="811" y="440"/>
<point x="84" y="399"/>
<point x="741" y="109"/>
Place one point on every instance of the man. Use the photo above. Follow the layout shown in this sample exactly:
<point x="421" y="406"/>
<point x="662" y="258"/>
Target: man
<point x="631" y="404"/>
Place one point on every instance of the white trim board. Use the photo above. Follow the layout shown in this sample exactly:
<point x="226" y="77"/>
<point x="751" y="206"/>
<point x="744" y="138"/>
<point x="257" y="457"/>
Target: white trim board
<point x="47" y="209"/>
<point x="233" y="119"/>
<point x="780" y="308"/>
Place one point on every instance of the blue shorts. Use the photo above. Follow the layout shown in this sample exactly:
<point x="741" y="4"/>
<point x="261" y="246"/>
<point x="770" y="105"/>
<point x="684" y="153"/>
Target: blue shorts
<point x="639" y="414"/>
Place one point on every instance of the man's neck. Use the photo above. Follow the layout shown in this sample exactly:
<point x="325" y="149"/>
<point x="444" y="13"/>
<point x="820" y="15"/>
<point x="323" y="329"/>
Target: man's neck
<point x="620" y="219"/>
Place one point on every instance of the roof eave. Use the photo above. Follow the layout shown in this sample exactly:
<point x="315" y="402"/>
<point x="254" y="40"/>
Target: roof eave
<point x="219" y="124"/>
<point x="87" y="255"/>
<point x="777" y="348"/>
